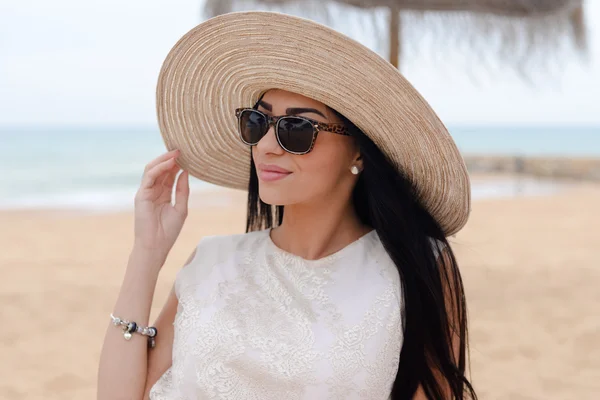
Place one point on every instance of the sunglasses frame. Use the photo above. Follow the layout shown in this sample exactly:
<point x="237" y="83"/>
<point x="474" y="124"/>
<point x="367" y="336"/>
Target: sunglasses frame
<point x="317" y="126"/>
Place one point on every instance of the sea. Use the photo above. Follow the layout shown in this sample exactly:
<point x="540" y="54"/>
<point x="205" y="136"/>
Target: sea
<point x="100" y="168"/>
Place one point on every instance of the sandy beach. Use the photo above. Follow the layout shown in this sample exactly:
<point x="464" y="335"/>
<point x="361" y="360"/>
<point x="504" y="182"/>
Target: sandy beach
<point x="531" y="268"/>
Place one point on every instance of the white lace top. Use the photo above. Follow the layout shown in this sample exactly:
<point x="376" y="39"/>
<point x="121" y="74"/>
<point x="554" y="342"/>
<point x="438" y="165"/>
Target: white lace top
<point x="257" y="322"/>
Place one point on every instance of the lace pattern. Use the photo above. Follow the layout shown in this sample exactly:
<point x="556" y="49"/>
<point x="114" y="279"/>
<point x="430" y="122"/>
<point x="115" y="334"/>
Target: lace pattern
<point x="255" y="322"/>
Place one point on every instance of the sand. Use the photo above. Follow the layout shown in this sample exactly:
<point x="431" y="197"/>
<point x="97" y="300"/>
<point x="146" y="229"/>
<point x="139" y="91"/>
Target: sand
<point x="531" y="267"/>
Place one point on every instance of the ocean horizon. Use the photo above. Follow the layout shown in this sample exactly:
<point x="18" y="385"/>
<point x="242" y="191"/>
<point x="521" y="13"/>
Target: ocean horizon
<point x="99" y="168"/>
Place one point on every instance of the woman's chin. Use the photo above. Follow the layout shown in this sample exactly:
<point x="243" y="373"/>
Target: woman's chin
<point x="275" y="195"/>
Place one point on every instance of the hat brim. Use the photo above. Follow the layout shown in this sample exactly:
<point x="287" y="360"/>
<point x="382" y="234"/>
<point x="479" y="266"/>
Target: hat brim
<point x="228" y="61"/>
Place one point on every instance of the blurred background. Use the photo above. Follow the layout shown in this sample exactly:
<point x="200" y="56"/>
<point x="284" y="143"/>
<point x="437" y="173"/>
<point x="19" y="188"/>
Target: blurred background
<point x="516" y="82"/>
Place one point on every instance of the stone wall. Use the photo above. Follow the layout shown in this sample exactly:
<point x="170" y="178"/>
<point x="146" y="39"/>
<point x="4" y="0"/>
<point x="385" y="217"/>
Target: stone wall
<point x="548" y="167"/>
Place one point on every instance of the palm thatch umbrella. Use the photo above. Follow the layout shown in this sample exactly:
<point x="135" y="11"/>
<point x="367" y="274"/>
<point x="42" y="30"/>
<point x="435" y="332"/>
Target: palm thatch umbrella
<point x="514" y="31"/>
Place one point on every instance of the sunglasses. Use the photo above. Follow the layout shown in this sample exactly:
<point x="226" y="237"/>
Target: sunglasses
<point x="294" y="134"/>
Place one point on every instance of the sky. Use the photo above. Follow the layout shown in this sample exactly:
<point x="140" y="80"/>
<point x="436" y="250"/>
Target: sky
<point x="84" y="63"/>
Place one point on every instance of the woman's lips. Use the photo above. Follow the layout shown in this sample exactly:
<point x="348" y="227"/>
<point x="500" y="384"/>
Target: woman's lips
<point x="270" y="176"/>
<point x="270" y="173"/>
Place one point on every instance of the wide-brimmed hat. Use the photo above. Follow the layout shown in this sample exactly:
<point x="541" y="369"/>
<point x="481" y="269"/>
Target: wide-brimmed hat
<point x="230" y="60"/>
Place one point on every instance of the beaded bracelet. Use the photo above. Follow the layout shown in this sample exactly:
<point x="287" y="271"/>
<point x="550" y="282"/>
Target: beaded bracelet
<point x="130" y="327"/>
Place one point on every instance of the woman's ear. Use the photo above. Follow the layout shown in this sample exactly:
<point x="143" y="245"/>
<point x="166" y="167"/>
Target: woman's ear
<point x="358" y="161"/>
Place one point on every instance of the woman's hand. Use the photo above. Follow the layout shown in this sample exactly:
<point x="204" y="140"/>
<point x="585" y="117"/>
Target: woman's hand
<point x="157" y="222"/>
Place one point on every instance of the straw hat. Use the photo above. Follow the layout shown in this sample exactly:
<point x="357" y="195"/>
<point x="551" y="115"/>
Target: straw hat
<point x="228" y="61"/>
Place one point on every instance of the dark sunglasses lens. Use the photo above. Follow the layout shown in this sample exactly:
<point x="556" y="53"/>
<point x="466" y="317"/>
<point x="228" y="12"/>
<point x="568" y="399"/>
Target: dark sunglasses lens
<point x="295" y="134"/>
<point x="253" y="126"/>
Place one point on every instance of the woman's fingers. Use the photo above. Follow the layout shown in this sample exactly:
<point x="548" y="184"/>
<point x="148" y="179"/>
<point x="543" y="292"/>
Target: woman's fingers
<point x="168" y="178"/>
<point x="155" y="172"/>
<point x="161" y="158"/>
<point x="182" y="192"/>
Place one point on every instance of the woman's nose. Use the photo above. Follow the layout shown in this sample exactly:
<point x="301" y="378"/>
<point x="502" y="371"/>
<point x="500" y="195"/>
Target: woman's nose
<point x="268" y="143"/>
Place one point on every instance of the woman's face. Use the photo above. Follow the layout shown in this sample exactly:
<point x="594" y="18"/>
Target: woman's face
<point x="286" y="179"/>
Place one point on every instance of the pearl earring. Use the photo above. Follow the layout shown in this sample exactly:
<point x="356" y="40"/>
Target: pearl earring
<point x="354" y="170"/>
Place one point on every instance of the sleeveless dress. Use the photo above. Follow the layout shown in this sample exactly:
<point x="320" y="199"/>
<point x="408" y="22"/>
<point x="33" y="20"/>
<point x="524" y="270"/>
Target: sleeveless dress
<point x="257" y="322"/>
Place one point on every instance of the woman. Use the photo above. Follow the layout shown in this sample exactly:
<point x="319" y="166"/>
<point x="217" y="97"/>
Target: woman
<point x="344" y="285"/>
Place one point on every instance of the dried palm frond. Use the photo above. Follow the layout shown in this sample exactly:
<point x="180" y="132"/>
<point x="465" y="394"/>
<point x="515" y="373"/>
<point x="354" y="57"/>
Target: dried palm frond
<point x="528" y="35"/>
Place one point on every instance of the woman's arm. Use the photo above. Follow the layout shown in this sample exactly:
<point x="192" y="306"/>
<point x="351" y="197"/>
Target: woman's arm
<point x="161" y="356"/>
<point x="128" y="369"/>
<point x="122" y="370"/>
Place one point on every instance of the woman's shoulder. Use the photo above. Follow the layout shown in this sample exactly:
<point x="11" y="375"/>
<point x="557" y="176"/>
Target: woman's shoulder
<point x="211" y="248"/>
<point x="215" y="251"/>
<point x="218" y="243"/>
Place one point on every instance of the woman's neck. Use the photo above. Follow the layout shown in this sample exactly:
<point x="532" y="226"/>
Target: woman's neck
<point x="315" y="230"/>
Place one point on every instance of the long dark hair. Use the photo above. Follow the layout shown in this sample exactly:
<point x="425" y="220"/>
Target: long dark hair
<point x="434" y="301"/>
